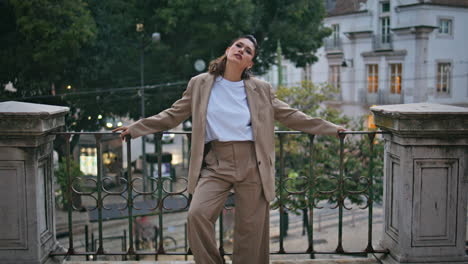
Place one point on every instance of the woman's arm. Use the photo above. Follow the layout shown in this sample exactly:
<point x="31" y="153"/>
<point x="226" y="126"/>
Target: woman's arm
<point x="297" y="120"/>
<point x="165" y="120"/>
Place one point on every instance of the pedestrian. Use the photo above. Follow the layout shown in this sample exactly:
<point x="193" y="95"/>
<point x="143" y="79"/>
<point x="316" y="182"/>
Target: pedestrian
<point x="233" y="147"/>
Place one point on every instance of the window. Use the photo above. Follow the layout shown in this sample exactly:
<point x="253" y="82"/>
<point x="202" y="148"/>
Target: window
<point x="385" y="7"/>
<point x="445" y="26"/>
<point x="384" y="23"/>
<point x="395" y="78"/>
<point x="336" y="34"/>
<point x="443" y="77"/>
<point x="307" y="73"/>
<point x="385" y="29"/>
<point x="372" y="78"/>
<point x="334" y="76"/>
<point x="333" y="43"/>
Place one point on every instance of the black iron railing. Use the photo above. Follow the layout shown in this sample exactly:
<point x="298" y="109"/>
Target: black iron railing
<point x="333" y="45"/>
<point x="303" y="189"/>
<point x="382" y="42"/>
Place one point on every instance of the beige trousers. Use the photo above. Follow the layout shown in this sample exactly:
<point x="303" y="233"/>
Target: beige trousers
<point x="230" y="165"/>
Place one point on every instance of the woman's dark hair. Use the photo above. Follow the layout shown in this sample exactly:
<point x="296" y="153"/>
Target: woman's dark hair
<point x="218" y="65"/>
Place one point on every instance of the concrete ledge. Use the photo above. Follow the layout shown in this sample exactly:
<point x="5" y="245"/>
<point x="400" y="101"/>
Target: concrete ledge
<point x="422" y="119"/>
<point x="26" y="119"/>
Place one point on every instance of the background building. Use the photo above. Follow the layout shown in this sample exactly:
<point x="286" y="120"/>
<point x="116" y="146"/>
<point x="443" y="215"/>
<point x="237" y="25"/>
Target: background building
<point x="394" y="51"/>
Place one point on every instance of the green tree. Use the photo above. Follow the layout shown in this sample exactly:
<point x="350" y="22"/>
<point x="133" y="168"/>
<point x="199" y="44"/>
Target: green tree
<point x="192" y="30"/>
<point x="62" y="180"/>
<point x="39" y="39"/>
<point x="298" y="24"/>
<point x="202" y="29"/>
<point x="93" y="47"/>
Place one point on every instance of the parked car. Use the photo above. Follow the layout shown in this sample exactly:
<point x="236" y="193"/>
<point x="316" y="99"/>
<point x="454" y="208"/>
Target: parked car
<point x="168" y="138"/>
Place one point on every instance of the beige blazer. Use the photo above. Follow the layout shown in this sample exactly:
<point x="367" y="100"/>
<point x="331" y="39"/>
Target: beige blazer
<point x="265" y="108"/>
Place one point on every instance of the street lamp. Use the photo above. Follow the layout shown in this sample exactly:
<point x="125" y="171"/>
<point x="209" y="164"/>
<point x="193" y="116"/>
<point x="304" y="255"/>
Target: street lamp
<point x="347" y="62"/>
<point x="155" y="37"/>
<point x="279" y="56"/>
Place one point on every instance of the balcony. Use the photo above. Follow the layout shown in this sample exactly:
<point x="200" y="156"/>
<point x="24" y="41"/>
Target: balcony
<point x="333" y="45"/>
<point x="382" y="97"/>
<point x="382" y="42"/>
<point x="423" y="164"/>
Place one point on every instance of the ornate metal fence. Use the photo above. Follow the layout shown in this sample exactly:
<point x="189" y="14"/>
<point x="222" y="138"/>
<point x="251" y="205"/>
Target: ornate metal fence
<point x="301" y="192"/>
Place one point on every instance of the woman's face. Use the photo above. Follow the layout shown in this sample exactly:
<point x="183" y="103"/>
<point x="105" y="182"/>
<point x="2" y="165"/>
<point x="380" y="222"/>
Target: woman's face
<point x="241" y="52"/>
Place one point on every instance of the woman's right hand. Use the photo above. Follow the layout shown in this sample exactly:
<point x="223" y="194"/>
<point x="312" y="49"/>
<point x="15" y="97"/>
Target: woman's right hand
<point x="124" y="133"/>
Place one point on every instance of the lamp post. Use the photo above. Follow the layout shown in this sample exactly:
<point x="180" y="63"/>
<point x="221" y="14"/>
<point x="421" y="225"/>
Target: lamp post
<point x="155" y="37"/>
<point x="279" y="55"/>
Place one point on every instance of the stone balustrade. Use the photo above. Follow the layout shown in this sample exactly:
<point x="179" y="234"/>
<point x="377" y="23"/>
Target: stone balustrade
<point x="425" y="194"/>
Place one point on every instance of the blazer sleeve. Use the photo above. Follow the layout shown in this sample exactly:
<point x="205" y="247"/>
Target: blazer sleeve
<point x="167" y="119"/>
<point x="298" y="120"/>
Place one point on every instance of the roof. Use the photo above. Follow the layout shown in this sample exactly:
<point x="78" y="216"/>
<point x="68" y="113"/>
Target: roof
<point x="453" y="3"/>
<point x="343" y="7"/>
<point x="460" y="3"/>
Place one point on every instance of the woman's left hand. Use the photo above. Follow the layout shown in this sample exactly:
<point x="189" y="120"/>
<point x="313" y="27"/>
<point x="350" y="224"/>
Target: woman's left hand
<point x="124" y="133"/>
<point x="342" y="129"/>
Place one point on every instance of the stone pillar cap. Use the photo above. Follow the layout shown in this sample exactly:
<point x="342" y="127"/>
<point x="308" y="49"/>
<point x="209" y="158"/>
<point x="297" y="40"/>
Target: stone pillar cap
<point x="419" y="109"/>
<point x="422" y="118"/>
<point x="18" y="118"/>
<point x="21" y="109"/>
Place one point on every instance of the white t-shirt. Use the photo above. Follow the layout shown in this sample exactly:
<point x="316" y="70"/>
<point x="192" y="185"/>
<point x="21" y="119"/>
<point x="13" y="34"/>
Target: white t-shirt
<point x="228" y="114"/>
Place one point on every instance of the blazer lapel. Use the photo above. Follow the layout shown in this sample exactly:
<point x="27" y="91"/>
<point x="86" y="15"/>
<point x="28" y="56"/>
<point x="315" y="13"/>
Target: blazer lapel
<point x="252" y="99"/>
<point x="205" y="92"/>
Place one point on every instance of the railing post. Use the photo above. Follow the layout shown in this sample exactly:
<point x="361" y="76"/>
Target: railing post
<point x="100" y="202"/>
<point x="310" y="199"/>
<point x="87" y="241"/>
<point x="341" y="197"/>
<point x="370" y="199"/>
<point x="158" y="139"/>
<point x="131" y="249"/>
<point x="426" y="182"/>
<point x="281" y="194"/>
<point x="27" y="202"/>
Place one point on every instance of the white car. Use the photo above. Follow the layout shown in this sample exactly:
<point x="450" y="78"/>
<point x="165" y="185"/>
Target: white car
<point x="168" y="138"/>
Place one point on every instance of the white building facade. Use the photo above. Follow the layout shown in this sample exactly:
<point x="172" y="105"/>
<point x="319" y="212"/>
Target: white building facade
<point x="391" y="51"/>
<point x="396" y="51"/>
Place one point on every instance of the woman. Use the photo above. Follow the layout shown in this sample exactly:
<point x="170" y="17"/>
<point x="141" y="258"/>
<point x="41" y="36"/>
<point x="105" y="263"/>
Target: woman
<point x="233" y="147"/>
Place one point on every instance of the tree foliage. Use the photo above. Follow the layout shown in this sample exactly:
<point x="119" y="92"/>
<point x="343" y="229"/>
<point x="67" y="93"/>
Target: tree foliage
<point x="39" y="39"/>
<point x="62" y="176"/>
<point x="92" y="46"/>
<point x="203" y="29"/>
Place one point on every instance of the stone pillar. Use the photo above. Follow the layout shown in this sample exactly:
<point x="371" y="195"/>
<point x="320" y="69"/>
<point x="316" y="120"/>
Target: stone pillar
<point x="27" y="212"/>
<point x="426" y="182"/>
